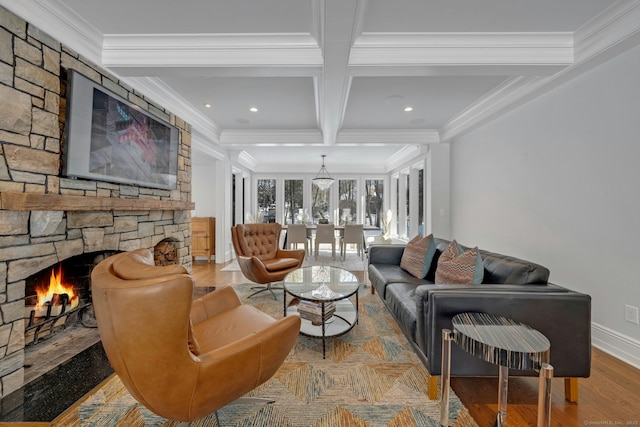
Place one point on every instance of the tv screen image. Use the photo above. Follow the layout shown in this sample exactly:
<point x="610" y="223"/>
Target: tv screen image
<point x="111" y="139"/>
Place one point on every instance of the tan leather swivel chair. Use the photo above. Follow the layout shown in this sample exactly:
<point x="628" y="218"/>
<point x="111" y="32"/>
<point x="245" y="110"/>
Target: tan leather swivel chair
<point x="260" y="257"/>
<point x="183" y="359"/>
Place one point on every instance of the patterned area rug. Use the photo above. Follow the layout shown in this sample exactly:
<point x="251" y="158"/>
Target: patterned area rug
<point x="370" y="377"/>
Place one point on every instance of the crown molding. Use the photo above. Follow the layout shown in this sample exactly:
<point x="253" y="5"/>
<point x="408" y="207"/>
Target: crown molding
<point x="596" y="42"/>
<point x="615" y="24"/>
<point x="388" y="137"/>
<point x="212" y="50"/>
<point x="488" y="106"/>
<point x="62" y="23"/>
<point x="462" y="49"/>
<point x="401" y="157"/>
<point x="268" y="137"/>
<point x="314" y="137"/>
<point x="247" y="160"/>
<point x="162" y="94"/>
<point x="202" y="144"/>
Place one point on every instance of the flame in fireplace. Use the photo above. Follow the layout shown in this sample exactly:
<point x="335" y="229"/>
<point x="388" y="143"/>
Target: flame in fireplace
<point x="56" y="287"/>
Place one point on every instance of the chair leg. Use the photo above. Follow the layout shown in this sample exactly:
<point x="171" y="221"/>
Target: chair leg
<point x="267" y="287"/>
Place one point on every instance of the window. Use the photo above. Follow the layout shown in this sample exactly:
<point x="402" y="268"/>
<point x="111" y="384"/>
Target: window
<point x="320" y="205"/>
<point x="347" y="201"/>
<point x="373" y="202"/>
<point x="293" y="201"/>
<point x="266" y="200"/>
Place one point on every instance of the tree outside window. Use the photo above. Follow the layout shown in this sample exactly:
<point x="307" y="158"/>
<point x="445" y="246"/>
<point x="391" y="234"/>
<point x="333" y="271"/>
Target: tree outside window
<point x="293" y="199"/>
<point x="373" y="202"/>
<point x="320" y="205"/>
<point x="266" y="200"/>
<point x="347" y="201"/>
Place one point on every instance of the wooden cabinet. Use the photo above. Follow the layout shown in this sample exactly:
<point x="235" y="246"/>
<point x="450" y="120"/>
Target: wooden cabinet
<point x="203" y="237"/>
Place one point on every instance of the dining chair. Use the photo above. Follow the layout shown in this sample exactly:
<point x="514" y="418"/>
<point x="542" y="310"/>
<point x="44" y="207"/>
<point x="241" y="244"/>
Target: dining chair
<point x="325" y="234"/>
<point x="353" y="234"/>
<point x="296" y="234"/>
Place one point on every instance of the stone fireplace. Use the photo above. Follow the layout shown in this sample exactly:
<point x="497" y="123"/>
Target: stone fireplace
<point x="46" y="218"/>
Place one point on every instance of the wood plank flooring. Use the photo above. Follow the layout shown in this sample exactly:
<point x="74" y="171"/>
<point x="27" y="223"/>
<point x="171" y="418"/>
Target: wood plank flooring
<point x="611" y="396"/>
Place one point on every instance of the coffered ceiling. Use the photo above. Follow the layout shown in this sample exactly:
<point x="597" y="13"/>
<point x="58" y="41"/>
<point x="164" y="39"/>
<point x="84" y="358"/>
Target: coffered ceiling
<point x="334" y="76"/>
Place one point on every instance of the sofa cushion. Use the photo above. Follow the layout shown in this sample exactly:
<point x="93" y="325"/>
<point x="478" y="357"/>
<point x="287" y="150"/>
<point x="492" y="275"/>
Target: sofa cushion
<point x="382" y="275"/>
<point x="457" y="266"/>
<point x="417" y="256"/>
<point x="401" y="301"/>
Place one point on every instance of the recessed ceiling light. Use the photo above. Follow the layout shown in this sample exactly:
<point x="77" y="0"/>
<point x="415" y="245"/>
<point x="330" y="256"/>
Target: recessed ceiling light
<point x="408" y="109"/>
<point x="253" y="109"/>
<point x="207" y="105"/>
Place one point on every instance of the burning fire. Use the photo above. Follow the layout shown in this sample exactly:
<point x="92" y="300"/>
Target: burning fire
<point x="56" y="287"/>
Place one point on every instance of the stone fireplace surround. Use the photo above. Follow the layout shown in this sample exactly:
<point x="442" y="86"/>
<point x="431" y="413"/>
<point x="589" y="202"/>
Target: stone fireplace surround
<point x="46" y="218"/>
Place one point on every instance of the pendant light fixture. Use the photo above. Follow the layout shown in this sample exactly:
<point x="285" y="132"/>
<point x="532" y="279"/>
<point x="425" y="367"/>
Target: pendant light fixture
<point x="323" y="180"/>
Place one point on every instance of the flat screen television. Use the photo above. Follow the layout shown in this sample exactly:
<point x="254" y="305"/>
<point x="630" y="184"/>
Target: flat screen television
<point x="111" y="139"/>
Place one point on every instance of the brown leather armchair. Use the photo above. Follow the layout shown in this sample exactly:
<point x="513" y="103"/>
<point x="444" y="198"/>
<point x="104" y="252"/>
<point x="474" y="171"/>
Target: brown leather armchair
<point x="183" y="359"/>
<point x="260" y="257"/>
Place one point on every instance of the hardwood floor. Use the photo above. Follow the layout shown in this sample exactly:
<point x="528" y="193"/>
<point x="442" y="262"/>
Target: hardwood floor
<point x="611" y="396"/>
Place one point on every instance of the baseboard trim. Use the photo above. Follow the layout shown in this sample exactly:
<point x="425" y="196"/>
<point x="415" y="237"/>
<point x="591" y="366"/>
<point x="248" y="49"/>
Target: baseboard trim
<point x="616" y="344"/>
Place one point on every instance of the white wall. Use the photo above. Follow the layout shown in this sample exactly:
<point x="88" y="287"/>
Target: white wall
<point x="557" y="181"/>
<point x="438" y="191"/>
<point x="203" y="186"/>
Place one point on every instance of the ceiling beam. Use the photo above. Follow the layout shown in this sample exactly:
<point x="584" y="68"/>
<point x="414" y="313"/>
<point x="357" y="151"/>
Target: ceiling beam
<point x="415" y="49"/>
<point x="340" y="24"/>
<point x="210" y="50"/>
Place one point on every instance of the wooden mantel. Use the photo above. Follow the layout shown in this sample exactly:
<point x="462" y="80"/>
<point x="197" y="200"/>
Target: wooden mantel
<point x="58" y="202"/>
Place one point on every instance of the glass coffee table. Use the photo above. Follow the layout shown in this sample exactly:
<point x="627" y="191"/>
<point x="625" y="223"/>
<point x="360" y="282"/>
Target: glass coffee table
<point x="322" y="298"/>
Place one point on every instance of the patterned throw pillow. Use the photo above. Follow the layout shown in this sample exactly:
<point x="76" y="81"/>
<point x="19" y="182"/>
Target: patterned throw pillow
<point x="459" y="267"/>
<point x="417" y="255"/>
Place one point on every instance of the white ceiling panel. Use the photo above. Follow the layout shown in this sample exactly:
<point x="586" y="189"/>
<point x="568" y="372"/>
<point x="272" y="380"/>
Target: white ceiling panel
<point x="282" y="102"/>
<point x="379" y="102"/>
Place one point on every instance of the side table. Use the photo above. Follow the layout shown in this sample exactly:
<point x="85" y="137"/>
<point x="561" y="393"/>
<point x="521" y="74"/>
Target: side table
<point x="503" y="342"/>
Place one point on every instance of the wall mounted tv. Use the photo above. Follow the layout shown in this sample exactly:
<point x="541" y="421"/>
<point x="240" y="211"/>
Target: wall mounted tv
<point x="111" y="139"/>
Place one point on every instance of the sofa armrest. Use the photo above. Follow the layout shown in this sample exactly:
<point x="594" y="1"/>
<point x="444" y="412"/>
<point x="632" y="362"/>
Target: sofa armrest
<point x="562" y="315"/>
<point x="386" y="254"/>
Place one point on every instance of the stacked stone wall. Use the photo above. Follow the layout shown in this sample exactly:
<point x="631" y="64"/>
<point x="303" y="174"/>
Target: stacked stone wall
<point x="33" y="70"/>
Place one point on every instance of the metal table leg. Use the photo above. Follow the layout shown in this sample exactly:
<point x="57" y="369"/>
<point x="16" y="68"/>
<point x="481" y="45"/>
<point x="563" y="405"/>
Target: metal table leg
<point x="445" y="377"/>
<point x="544" y="395"/>
<point x="503" y="388"/>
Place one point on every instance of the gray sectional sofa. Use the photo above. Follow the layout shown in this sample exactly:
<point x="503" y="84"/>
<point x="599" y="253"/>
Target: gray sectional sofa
<point x="511" y="287"/>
